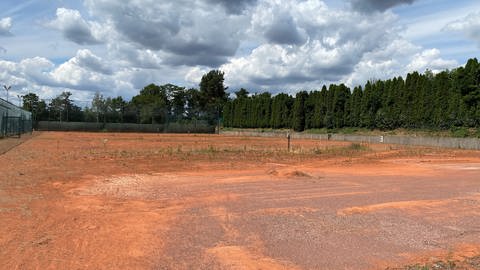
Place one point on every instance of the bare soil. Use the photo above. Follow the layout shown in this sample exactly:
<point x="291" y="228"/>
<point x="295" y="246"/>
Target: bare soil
<point x="149" y="201"/>
<point x="7" y="143"/>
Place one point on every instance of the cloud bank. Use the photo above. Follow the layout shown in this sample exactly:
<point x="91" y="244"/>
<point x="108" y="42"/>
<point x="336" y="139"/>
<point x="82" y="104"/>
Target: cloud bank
<point x="290" y="45"/>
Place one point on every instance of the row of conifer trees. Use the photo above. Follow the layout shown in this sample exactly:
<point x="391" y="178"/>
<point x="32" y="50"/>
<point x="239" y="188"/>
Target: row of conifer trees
<point x="431" y="101"/>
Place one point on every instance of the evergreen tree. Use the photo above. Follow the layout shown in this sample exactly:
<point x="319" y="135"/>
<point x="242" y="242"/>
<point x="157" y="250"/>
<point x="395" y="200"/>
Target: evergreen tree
<point x="213" y="93"/>
<point x="340" y="101"/>
<point x="442" y="92"/>
<point x="370" y="105"/>
<point x="469" y="84"/>
<point x="356" y="107"/>
<point x="298" y="114"/>
<point x="281" y="111"/>
<point x="228" y="114"/>
<point x="316" y="110"/>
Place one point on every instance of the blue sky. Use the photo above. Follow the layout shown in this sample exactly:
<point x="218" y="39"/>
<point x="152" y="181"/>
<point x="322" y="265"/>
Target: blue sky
<point x="117" y="47"/>
<point x="424" y="21"/>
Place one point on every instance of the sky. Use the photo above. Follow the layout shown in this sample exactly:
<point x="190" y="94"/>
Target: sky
<point x="118" y="47"/>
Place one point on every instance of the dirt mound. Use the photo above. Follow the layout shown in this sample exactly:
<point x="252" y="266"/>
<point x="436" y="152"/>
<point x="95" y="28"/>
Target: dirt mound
<point x="273" y="172"/>
<point x="296" y="174"/>
<point x="288" y="173"/>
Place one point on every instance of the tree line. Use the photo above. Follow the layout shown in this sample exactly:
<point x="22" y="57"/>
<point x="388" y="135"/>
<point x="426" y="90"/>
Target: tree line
<point x="427" y="101"/>
<point x="154" y="104"/>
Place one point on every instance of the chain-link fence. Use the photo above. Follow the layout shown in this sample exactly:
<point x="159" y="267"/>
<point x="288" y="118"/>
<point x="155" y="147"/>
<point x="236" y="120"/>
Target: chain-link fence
<point x="14" y="121"/>
<point x="443" y="142"/>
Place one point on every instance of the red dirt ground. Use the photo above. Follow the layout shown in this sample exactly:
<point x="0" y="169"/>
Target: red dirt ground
<point x="148" y="201"/>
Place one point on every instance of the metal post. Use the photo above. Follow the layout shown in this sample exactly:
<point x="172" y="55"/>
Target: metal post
<point x="2" y="126"/>
<point x="6" y="123"/>
<point x="6" y="89"/>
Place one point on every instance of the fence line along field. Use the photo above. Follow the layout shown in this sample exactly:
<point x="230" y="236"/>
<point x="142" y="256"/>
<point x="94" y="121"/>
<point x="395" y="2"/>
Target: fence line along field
<point x="158" y="201"/>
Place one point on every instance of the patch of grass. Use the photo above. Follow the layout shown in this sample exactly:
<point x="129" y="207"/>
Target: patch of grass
<point x="211" y="149"/>
<point x="357" y="147"/>
<point x="317" y="131"/>
<point x="447" y="264"/>
<point x="352" y="130"/>
<point x="460" y="132"/>
<point x="440" y="265"/>
<point x="349" y="150"/>
<point x="346" y="130"/>
<point x="273" y="130"/>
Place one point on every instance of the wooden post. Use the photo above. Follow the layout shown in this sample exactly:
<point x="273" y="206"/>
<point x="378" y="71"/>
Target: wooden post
<point x="288" y="139"/>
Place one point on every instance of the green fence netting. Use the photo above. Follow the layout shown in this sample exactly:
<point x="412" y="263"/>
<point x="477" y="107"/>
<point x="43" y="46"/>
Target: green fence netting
<point x="14" y="121"/>
<point x="192" y="127"/>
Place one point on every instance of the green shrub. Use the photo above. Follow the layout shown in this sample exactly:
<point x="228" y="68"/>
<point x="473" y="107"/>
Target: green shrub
<point x="459" y="132"/>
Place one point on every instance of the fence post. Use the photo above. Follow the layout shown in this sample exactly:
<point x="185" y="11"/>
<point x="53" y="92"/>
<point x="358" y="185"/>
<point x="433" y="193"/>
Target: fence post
<point x="6" y="123"/>
<point x="288" y="139"/>
<point x="2" y="126"/>
<point x="22" y="124"/>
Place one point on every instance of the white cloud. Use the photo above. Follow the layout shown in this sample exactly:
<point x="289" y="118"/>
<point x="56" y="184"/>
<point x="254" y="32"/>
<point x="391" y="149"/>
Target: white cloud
<point x="82" y="72"/>
<point x="37" y="69"/>
<point x="85" y="71"/>
<point x="469" y="26"/>
<point x="339" y="46"/>
<point x="430" y="59"/>
<point x="82" y="75"/>
<point x="27" y="75"/>
<point x="397" y="59"/>
<point x="276" y="24"/>
<point x="183" y="32"/>
<point x="74" y="27"/>
<point x="194" y="75"/>
<point x="386" y="63"/>
<point x="9" y="75"/>
<point x="86" y="59"/>
<point x="5" y="25"/>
